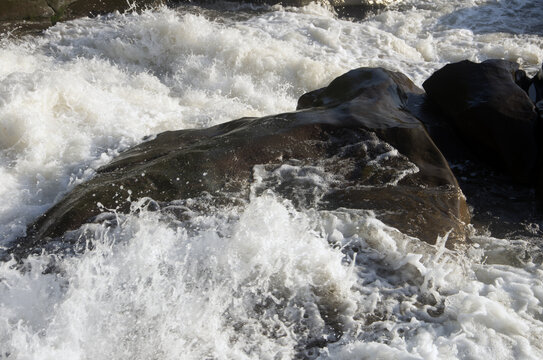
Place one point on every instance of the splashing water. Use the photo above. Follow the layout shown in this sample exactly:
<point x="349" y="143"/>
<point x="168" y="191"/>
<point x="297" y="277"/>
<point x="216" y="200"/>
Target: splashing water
<point x="264" y="279"/>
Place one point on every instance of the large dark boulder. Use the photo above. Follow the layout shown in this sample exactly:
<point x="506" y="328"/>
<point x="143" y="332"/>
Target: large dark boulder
<point x="355" y="136"/>
<point x="505" y="208"/>
<point x="491" y="113"/>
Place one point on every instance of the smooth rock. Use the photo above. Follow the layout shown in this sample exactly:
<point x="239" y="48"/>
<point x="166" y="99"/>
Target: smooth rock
<point x="360" y="142"/>
<point x="491" y="113"/>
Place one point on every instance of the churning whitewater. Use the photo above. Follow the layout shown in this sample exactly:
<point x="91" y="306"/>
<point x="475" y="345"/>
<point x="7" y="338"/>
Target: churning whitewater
<point x="263" y="279"/>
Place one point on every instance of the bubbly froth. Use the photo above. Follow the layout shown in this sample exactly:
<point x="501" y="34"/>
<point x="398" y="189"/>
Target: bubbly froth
<point x="261" y="280"/>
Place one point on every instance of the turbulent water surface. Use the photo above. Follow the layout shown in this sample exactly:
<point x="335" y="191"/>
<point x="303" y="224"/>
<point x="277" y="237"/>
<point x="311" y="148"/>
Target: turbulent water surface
<point x="262" y="280"/>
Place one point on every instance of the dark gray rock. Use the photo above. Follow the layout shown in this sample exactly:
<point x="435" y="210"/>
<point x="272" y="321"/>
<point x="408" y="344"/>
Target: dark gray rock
<point x="499" y="206"/>
<point x="535" y="89"/>
<point x="375" y="155"/>
<point x="522" y="80"/>
<point x="490" y="112"/>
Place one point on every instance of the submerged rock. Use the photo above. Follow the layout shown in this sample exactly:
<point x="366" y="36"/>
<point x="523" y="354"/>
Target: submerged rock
<point x="354" y="147"/>
<point x="490" y="112"/>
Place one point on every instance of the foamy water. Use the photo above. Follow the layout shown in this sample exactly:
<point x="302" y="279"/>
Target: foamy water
<point x="263" y="280"/>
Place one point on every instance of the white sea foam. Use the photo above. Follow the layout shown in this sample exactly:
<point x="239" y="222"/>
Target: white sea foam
<point x="72" y="99"/>
<point x="268" y="281"/>
<point x="265" y="280"/>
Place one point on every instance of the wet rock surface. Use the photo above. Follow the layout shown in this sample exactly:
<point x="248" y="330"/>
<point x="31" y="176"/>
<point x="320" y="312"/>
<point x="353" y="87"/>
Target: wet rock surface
<point x="499" y="207"/>
<point x="491" y="113"/>
<point x="353" y="146"/>
<point x="502" y="199"/>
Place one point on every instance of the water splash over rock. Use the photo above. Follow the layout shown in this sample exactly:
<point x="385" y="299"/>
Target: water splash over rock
<point x="372" y="154"/>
